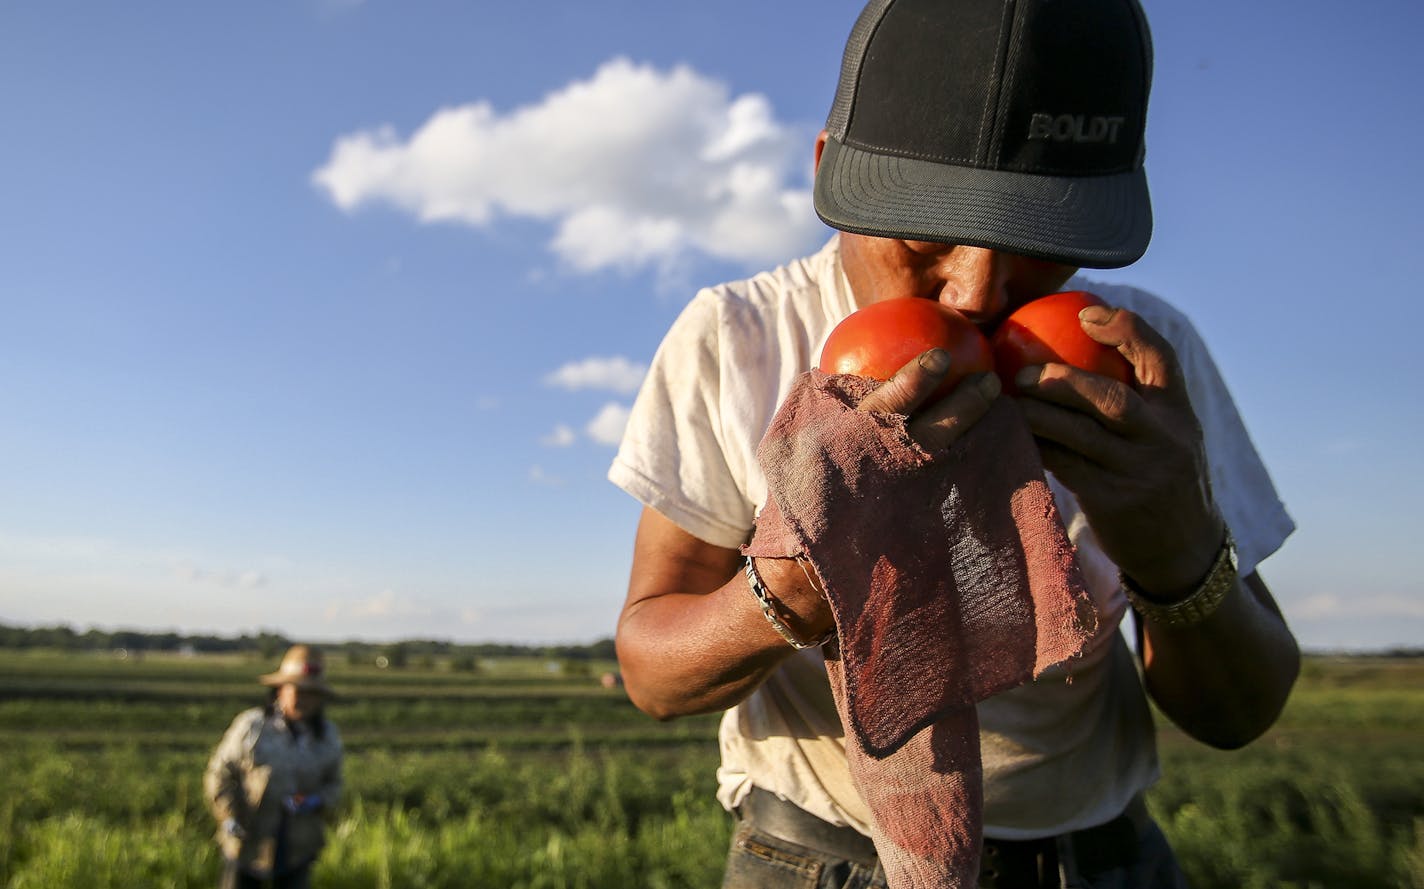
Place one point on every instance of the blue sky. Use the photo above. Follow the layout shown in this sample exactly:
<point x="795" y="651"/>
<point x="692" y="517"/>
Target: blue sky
<point x="321" y="315"/>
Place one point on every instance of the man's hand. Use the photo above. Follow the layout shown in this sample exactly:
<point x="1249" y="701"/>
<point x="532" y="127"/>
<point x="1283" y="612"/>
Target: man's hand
<point x="942" y="422"/>
<point x="934" y="427"/>
<point x="1133" y="455"/>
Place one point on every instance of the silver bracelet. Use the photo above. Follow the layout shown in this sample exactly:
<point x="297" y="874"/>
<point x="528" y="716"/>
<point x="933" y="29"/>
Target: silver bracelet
<point x="1201" y="603"/>
<point x="771" y="608"/>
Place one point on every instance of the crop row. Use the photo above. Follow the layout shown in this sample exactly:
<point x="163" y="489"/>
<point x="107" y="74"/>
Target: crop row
<point x="530" y="778"/>
<point x="1302" y="818"/>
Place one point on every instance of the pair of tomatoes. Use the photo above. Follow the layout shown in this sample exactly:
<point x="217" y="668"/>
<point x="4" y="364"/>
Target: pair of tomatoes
<point x="883" y="337"/>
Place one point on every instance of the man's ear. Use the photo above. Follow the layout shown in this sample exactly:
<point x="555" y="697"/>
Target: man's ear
<point x="820" y="147"/>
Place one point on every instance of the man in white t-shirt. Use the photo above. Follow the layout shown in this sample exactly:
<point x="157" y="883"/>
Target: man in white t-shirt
<point x="978" y="152"/>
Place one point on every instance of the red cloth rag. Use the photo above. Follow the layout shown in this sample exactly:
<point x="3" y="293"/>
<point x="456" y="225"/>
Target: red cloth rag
<point x="951" y="579"/>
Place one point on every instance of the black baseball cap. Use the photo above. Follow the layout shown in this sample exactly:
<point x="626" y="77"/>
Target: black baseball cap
<point x="1015" y="125"/>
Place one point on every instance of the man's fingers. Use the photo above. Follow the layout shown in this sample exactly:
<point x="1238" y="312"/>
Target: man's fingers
<point x="935" y="425"/>
<point x="905" y="391"/>
<point x="1071" y="468"/>
<point x="942" y="423"/>
<point x="1151" y="356"/>
<point x="1119" y="407"/>
<point x="1113" y="404"/>
<point x="1076" y="432"/>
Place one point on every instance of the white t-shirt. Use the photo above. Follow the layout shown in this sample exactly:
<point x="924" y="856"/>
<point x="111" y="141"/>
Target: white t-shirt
<point x="1057" y="755"/>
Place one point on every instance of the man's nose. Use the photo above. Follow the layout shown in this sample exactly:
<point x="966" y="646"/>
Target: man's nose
<point x="975" y="282"/>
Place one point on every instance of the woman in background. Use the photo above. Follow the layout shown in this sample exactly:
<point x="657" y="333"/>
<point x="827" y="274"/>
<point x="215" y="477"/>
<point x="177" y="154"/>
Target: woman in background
<point x="275" y="777"/>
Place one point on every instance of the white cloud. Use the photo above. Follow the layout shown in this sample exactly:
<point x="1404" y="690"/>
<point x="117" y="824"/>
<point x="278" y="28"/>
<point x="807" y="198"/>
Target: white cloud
<point x="96" y="557"/>
<point x="1330" y="606"/>
<point x="245" y="580"/>
<point x="383" y="605"/>
<point x="75" y="550"/>
<point x="634" y="167"/>
<point x="538" y="476"/>
<point x="616" y="374"/>
<point x="607" y="427"/>
<point x="561" y="437"/>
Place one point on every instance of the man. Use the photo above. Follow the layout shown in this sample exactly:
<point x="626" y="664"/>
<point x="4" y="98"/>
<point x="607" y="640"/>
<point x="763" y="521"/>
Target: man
<point x="977" y="153"/>
<point x="276" y="777"/>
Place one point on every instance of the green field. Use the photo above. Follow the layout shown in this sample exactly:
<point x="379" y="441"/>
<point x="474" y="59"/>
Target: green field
<point x="528" y="773"/>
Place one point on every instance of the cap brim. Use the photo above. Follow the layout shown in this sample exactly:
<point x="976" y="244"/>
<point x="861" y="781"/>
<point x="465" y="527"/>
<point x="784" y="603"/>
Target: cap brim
<point x="1089" y="221"/>
<point x="277" y="680"/>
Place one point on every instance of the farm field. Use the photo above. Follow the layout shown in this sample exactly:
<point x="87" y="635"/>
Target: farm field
<point x="529" y="773"/>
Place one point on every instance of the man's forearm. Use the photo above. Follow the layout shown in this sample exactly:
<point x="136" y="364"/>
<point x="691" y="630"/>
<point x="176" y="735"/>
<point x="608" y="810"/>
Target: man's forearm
<point x="1225" y="680"/>
<point x="691" y="637"/>
<point x="683" y="654"/>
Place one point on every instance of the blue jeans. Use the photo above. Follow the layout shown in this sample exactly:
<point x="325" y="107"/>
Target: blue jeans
<point x="758" y="860"/>
<point x="1155" y="868"/>
<point x="234" y="877"/>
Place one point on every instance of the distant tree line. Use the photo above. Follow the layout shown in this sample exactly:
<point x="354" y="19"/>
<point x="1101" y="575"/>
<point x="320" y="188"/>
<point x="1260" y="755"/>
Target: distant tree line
<point x="401" y="653"/>
<point x="271" y="644"/>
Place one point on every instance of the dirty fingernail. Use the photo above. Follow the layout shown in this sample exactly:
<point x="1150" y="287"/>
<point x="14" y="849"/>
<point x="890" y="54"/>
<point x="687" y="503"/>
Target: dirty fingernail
<point x="989" y="386"/>
<point x="935" y="361"/>
<point x="1027" y="377"/>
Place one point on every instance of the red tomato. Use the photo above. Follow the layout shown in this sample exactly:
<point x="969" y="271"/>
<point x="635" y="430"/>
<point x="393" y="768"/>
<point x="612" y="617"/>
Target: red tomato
<point x="883" y="337"/>
<point x="1047" y="330"/>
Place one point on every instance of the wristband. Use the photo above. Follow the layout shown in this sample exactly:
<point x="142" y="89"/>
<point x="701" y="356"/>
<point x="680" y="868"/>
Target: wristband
<point x="772" y="609"/>
<point x="1200" y="604"/>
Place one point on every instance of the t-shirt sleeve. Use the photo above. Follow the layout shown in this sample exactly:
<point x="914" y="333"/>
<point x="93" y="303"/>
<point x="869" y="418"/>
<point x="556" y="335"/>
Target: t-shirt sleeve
<point x="673" y="456"/>
<point x="1242" y="486"/>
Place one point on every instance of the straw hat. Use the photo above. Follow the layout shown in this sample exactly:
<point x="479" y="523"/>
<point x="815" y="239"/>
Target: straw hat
<point x="302" y="666"/>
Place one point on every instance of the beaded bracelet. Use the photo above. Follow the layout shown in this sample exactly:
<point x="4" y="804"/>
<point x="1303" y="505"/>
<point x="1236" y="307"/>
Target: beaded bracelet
<point x="772" y="609"/>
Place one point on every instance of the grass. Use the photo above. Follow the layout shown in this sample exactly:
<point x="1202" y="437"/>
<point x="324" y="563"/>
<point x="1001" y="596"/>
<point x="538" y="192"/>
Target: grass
<point x="524" y="776"/>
